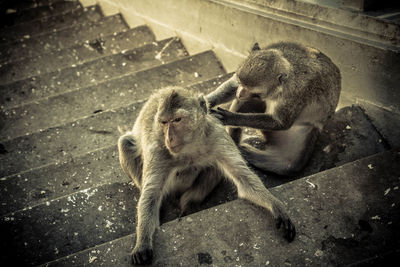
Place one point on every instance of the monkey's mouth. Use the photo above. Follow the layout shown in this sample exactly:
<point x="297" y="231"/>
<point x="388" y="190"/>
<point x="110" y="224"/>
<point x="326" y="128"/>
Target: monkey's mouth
<point x="176" y="148"/>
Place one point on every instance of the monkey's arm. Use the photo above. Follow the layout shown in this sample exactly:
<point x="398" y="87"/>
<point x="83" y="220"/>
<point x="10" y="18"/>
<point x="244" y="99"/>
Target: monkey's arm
<point x="260" y="121"/>
<point x="224" y="93"/>
<point x="250" y="186"/>
<point x="148" y="211"/>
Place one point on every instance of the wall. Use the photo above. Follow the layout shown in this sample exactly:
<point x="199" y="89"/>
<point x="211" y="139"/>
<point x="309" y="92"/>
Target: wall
<point x="370" y="69"/>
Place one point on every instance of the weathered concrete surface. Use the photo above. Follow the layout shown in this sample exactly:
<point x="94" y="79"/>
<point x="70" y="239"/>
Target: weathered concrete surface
<point x="63" y="226"/>
<point x="26" y="5"/>
<point x="93" y="72"/>
<point x="19" y="69"/>
<point x="54" y="181"/>
<point x="386" y="122"/>
<point x="50" y="24"/>
<point x="114" y="93"/>
<point x="30" y="47"/>
<point x="346" y="215"/>
<point x="34" y="11"/>
<point x="72" y="105"/>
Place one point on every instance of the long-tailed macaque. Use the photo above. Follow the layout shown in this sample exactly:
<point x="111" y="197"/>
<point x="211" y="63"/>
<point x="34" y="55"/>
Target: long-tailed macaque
<point x="286" y="90"/>
<point x="177" y="146"/>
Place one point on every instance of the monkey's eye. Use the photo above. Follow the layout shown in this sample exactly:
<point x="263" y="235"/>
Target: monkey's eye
<point x="177" y="119"/>
<point x="163" y="122"/>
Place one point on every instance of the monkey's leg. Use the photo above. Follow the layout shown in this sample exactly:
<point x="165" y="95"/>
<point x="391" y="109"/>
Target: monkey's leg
<point x="130" y="158"/>
<point x="205" y="182"/>
<point x="254" y="105"/>
<point x="251" y="188"/>
<point x="287" y="152"/>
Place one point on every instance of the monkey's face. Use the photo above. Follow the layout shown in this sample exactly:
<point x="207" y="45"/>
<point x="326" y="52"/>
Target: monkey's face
<point x="179" y="130"/>
<point x="180" y="115"/>
<point x="245" y="93"/>
<point x="174" y="127"/>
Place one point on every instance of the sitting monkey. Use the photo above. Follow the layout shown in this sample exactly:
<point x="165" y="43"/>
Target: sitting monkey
<point x="286" y="90"/>
<point x="176" y="145"/>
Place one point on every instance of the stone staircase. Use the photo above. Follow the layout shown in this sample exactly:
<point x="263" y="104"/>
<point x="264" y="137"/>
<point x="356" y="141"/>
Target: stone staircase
<point x="69" y="76"/>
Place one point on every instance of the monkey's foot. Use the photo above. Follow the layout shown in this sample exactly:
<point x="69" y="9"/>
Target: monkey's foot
<point x="289" y="231"/>
<point x="141" y="257"/>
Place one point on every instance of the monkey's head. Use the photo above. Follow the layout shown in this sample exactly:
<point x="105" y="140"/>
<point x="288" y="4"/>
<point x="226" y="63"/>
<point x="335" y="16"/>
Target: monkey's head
<point x="263" y="72"/>
<point x="180" y="115"/>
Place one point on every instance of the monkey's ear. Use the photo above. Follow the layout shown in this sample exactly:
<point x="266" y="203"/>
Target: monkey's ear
<point x="283" y="77"/>
<point x="255" y="47"/>
<point x="203" y="103"/>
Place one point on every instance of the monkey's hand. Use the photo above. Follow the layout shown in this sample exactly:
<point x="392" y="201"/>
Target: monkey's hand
<point x="225" y="116"/>
<point x="142" y="256"/>
<point x="281" y="218"/>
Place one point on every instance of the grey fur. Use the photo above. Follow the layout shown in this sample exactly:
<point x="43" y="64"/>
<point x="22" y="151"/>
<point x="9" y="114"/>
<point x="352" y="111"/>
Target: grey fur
<point x="208" y="150"/>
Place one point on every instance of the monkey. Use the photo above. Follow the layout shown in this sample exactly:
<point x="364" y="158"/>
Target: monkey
<point x="286" y="91"/>
<point x="176" y="145"/>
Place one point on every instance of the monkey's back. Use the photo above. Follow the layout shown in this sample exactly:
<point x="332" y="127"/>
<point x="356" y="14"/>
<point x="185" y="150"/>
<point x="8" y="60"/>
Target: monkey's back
<point x="316" y="76"/>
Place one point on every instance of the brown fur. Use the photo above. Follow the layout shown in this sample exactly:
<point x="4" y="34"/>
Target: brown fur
<point x="300" y="87"/>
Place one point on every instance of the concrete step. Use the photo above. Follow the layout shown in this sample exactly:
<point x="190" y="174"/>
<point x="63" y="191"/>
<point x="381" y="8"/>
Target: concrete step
<point x="345" y="216"/>
<point x="30" y="47"/>
<point x="19" y="69"/>
<point x="54" y="181"/>
<point x="386" y="122"/>
<point x="100" y="129"/>
<point x="91" y="72"/>
<point x="67" y="225"/>
<point x="50" y="24"/>
<point x="85" y="87"/>
<point x="91" y="169"/>
<point x="17" y="16"/>
<point x="19" y="5"/>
